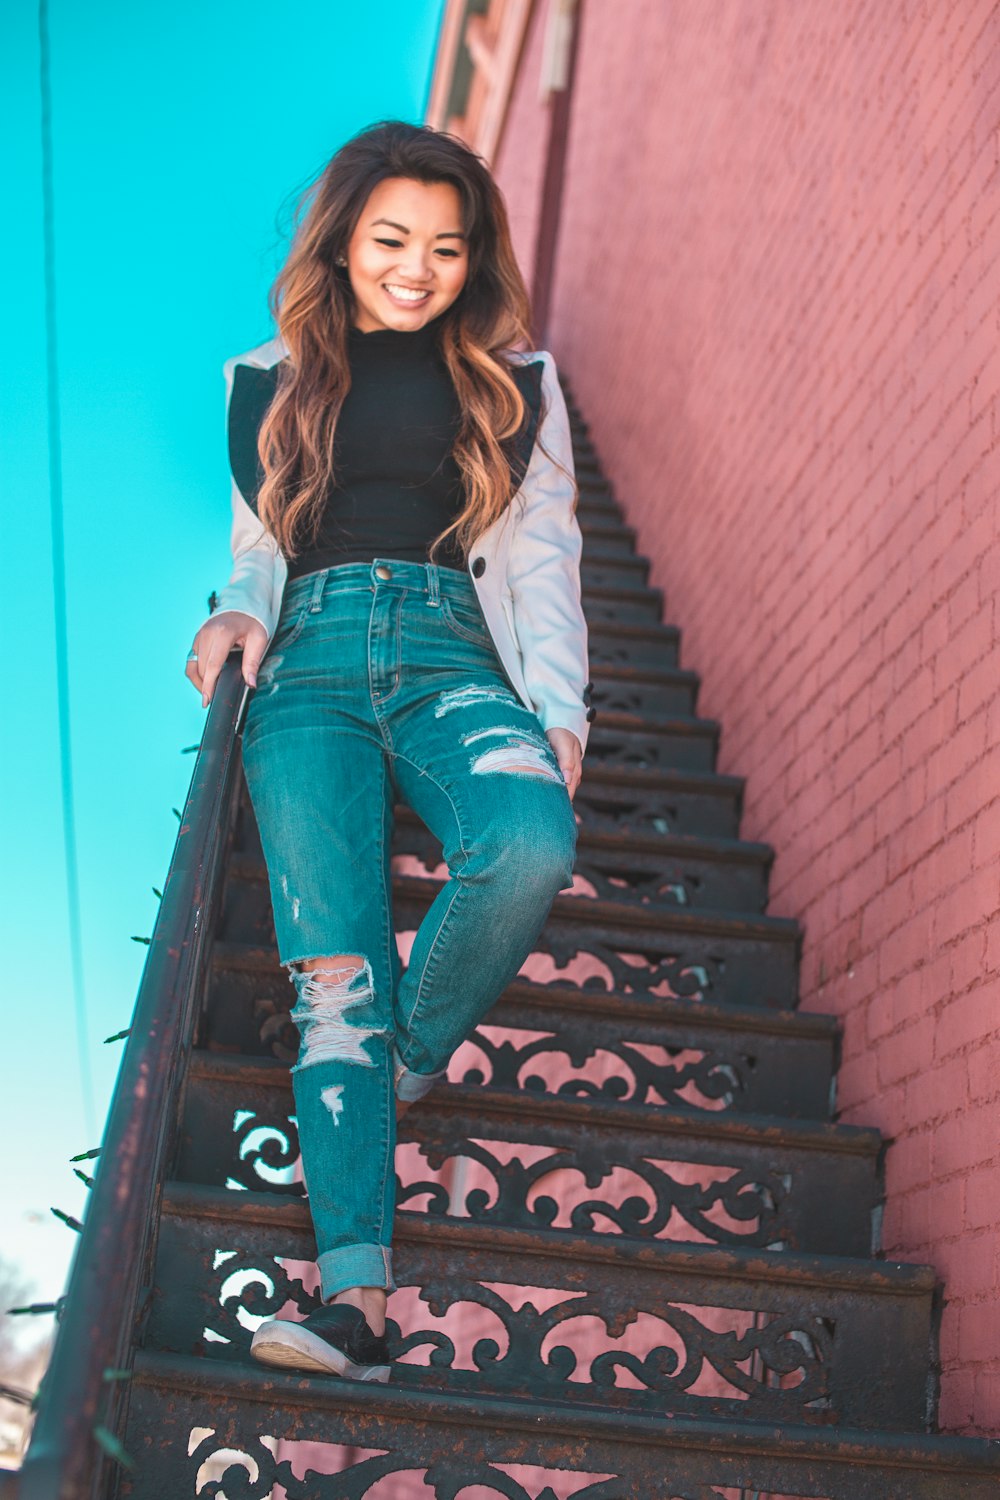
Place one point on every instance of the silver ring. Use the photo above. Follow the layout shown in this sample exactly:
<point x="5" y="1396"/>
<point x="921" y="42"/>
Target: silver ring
<point x="192" y="655"/>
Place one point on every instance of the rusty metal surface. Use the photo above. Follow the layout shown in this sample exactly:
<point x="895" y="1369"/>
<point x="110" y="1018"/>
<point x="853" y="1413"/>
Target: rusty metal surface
<point x="728" y="1180"/>
<point x="711" y="1330"/>
<point x="452" y="1442"/>
<point x="668" y="799"/>
<point x="112" y="1264"/>
<point x="716" y="1057"/>
<point x="731" y="958"/>
<point x="635" y="866"/>
<point x="720" y="1332"/>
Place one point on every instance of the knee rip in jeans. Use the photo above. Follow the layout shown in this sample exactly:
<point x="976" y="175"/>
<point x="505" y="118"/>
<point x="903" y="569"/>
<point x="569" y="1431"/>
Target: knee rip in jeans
<point x="325" y="997"/>
<point x="522" y="755"/>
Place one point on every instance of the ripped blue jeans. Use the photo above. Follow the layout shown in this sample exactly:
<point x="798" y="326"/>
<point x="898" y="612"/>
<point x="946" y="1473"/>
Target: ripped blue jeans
<point x="382" y="683"/>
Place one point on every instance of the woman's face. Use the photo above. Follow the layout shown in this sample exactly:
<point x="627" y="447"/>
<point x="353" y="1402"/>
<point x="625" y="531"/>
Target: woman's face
<point x="407" y="259"/>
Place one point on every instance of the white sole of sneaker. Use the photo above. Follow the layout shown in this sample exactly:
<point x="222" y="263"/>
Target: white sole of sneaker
<point x="292" y="1347"/>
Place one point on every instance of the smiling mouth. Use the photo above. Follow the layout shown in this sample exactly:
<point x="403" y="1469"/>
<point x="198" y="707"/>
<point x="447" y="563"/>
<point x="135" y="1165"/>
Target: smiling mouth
<point x="404" y="294"/>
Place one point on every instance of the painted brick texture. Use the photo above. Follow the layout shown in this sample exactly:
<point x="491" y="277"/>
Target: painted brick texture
<point x="777" y="296"/>
<point x="520" y="159"/>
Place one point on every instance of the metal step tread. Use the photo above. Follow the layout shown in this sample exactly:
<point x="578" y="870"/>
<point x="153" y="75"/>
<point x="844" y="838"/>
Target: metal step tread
<point x="486" y="1418"/>
<point x="866" y="1325"/>
<point x="627" y="561"/>
<point x="597" y="501"/>
<point x="718" y="1058"/>
<point x="679" y="724"/>
<point x="704" y="847"/>
<point x="636" y="629"/>
<point x="491" y="1105"/>
<point x="605" y="528"/>
<point x="614" y="1006"/>
<point x="660" y="676"/>
<point x="679" y="780"/>
<point x="595" y="490"/>
<point x="568" y="1250"/>
<point x="707" y="846"/>
<point x="630" y="594"/>
<point x="661" y="920"/>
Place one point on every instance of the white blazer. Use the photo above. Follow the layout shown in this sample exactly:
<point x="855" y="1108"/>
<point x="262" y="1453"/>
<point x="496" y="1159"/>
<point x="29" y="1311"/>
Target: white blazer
<point x="525" y="566"/>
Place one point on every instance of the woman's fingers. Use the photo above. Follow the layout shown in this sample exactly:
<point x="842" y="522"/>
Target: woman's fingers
<point x="568" y="753"/>
<point x="212" y="645"/>
<point x="191" y="671"/>
<point x="253" y="651"/>
<point x="218" y="650"/>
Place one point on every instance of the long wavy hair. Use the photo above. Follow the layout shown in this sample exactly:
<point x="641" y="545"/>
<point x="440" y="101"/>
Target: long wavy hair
<point x="312" y="303"/>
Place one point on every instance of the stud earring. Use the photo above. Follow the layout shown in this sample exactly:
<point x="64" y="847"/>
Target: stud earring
<point x="341" y="260"/>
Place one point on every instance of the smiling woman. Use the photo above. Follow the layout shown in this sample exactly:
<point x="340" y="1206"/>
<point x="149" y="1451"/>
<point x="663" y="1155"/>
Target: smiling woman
<point x="404" y="280"/>
<point x="407" y="579"/>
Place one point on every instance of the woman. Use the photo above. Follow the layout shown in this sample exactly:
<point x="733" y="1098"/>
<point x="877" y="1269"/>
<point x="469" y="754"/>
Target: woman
<point x="407" y="601"/>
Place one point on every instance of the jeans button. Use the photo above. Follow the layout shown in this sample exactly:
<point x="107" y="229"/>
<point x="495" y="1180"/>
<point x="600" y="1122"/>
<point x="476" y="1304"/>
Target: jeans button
<point x="382" y="571"/>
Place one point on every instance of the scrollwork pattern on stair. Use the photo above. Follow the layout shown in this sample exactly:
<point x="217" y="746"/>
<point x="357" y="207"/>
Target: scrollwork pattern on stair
<point x="622" y="810"/>
<point x="643" y="1198"/>
<point x="751" y="1202"/>
<point x="685" y="1358"/>
<point x="247" y="1466"/>
<point x="639" y="969"/>
<point x="636" y="887"/>
<point x="702" y="1080"/>
<point x="635" y="747"/>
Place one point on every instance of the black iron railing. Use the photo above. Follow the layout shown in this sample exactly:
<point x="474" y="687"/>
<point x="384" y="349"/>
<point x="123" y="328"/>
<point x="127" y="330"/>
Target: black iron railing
<point x="83" y="1403"/>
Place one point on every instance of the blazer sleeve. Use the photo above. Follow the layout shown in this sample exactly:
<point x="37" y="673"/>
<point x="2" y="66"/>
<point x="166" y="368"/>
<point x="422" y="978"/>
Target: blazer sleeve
<point x="543" y="573"/>
<point x="255" y="583"/>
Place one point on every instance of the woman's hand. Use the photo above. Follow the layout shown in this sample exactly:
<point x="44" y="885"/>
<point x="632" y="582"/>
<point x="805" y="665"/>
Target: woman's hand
<point x="213" y="643"/>
<point x="569" y="754"/>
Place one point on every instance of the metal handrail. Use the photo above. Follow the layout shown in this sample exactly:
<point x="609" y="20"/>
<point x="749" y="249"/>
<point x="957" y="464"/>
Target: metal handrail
<point x="110" y="1276"/>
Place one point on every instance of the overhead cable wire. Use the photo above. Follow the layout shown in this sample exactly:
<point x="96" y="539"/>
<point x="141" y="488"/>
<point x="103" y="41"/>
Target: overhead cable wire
<point x="59" y="575"/>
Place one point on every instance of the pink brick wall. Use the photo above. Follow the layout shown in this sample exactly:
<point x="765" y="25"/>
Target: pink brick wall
<point x="776" y="296"/>
<point x="520" y="161"/>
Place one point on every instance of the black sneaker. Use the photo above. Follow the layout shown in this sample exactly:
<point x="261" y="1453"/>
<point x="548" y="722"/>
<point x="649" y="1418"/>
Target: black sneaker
<point x="335" y="1338"/>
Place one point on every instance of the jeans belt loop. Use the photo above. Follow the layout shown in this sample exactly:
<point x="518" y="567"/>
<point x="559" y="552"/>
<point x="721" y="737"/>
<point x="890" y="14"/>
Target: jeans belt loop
<point x="433" y="585"/>
<point x="316" y="597"/>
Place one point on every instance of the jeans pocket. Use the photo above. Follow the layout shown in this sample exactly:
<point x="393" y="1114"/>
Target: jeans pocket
<point x="290" y="625"/>
<point x="465" y="621"/>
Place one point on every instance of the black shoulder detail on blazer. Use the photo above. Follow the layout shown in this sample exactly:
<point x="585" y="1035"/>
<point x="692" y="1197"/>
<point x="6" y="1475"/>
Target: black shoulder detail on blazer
<point x="254" y="390"/>
<point x="252" y="394"/>
<point x="519" y="448"/>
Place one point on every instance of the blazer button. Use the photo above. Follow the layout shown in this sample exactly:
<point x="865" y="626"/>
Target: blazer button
<point x="591" y="715"/>
<point x="478" y="567"/>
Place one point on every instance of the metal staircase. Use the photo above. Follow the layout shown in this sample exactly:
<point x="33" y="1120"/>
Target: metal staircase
<point x="636" y="1257"/>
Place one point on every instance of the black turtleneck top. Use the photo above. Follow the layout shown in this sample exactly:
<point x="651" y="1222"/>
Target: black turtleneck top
<point x="397" y="484"/>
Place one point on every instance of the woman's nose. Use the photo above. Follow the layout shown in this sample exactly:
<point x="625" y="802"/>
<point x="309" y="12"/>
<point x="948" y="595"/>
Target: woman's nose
<point x="416" y="269"/>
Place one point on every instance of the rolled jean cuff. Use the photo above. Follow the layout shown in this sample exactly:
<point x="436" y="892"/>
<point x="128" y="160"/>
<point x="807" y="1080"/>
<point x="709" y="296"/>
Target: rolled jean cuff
<point x="355" y="1265"/>
<point x="411" y="1086"/>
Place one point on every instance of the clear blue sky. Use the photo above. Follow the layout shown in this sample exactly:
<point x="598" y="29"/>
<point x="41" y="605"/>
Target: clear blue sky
<point x="181" y="135"/>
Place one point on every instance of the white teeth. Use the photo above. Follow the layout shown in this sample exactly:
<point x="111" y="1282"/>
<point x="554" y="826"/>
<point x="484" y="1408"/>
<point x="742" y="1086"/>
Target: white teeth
<point x="405" y="293"/>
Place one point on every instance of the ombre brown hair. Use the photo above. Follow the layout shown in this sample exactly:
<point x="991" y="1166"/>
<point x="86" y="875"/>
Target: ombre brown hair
<point x="312" y="303"/>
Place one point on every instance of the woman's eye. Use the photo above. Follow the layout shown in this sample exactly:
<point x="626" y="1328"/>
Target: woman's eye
<point x="398" y="245"/>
